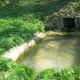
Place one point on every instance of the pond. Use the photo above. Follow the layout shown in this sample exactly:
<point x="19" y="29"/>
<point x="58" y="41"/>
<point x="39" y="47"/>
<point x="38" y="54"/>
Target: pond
<point x="53" y="52"/>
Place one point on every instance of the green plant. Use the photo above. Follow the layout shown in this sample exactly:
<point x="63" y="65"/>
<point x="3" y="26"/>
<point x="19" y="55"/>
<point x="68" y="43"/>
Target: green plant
<point x="4" y="66"/>
<point x="48" y="74"/>
<point x="12" y="71"/>
<point x="21" y="72"/>
<point x="20" y="19"/>
<point x="9" y="70"/>
<point x="63" y="74"/>
<point x="17" y="31"/>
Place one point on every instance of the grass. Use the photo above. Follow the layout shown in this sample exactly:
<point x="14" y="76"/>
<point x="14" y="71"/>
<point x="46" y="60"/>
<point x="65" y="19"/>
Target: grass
<point x="9" y="70"/>
<point x="17" y="24"/>
<point x="63" y="74"/>
<point x="19" y="20"/>
<point x="15" y="31"/>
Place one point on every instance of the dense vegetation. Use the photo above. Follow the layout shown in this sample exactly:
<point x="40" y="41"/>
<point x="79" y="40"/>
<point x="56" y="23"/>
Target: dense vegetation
<point x="16" y="25"/>
<point x="12" y="71"/>
<point x="19" y="20"/>
<point x="64" y="74"/>
<point x="14" y="32"/>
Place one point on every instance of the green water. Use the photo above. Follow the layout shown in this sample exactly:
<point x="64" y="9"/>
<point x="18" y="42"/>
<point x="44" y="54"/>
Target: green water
<point x="53" y="52"/>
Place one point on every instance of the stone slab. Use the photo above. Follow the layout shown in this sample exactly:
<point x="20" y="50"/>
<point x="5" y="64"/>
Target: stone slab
<point x="17" y="51"/>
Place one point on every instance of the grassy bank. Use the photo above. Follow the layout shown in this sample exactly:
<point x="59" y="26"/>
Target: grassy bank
<point x="20" y="19"/>
<point x="14" y="32"/>
<point x="17" y="25"/>
<point x="11" y="71"/>
<point x="64" y="74"/>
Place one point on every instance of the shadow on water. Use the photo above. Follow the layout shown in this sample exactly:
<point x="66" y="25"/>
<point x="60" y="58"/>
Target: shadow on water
<point x="53" y="51"/>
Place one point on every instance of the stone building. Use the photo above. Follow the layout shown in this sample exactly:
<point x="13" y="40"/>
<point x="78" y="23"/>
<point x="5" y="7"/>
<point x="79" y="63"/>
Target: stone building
<point x="67" y="17"/>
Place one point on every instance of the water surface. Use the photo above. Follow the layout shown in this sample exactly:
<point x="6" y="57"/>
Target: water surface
<point x="53" y="52"/>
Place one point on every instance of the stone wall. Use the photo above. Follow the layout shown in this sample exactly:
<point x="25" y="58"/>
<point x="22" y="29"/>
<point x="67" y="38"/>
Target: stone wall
<point x="57" y="23"/>
<point x="17" y="51"/>
<point x="51" y="24"/>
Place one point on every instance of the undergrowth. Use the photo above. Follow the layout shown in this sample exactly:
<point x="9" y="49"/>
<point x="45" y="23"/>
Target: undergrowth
<point x="57" y="74"/>
<point x="16" y="31"/>
<point x="20" y="19"/>
<point x="17" y="23"/>
<point x="9" y="70"/>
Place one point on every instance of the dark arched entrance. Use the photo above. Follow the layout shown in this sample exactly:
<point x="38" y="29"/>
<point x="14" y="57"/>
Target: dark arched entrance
<point x="69" y="23"/>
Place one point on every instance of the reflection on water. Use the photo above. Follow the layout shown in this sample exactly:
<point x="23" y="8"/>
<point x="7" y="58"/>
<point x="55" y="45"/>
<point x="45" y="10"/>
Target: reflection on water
<point x="53" y="51"/>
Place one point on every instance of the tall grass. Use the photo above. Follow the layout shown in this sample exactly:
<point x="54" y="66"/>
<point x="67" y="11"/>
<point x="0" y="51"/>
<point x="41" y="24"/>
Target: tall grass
<point x="14" y="32"/>
<point x="11" y="71"/>
<point x="63" y="74"/>
<point x="18" y="23"/>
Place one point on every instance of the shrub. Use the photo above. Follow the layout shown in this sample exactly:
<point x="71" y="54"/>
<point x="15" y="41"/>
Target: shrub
<point x="63" y="74"/>
<point x="12" y="71"/>
<point x="5" y="64"/>
<point x="48" y="74"/>
<point x="15" y="32"/>
<point x="21" y="72"/>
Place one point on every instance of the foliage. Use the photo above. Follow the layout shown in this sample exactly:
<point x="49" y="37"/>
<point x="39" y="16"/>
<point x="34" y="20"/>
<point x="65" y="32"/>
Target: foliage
<point x="11" y="71"/>
<point x="21" y="72"/>
<point x="48" y="74"/>
<point x="14" y="32"/>
<point x="19" y="20"/>
<point x="5" y="64"/>
<point x="18" y="23"/>
<point x="63" y="74"/>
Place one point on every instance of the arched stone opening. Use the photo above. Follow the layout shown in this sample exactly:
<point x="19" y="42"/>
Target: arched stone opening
<point x="69" y="23"/>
